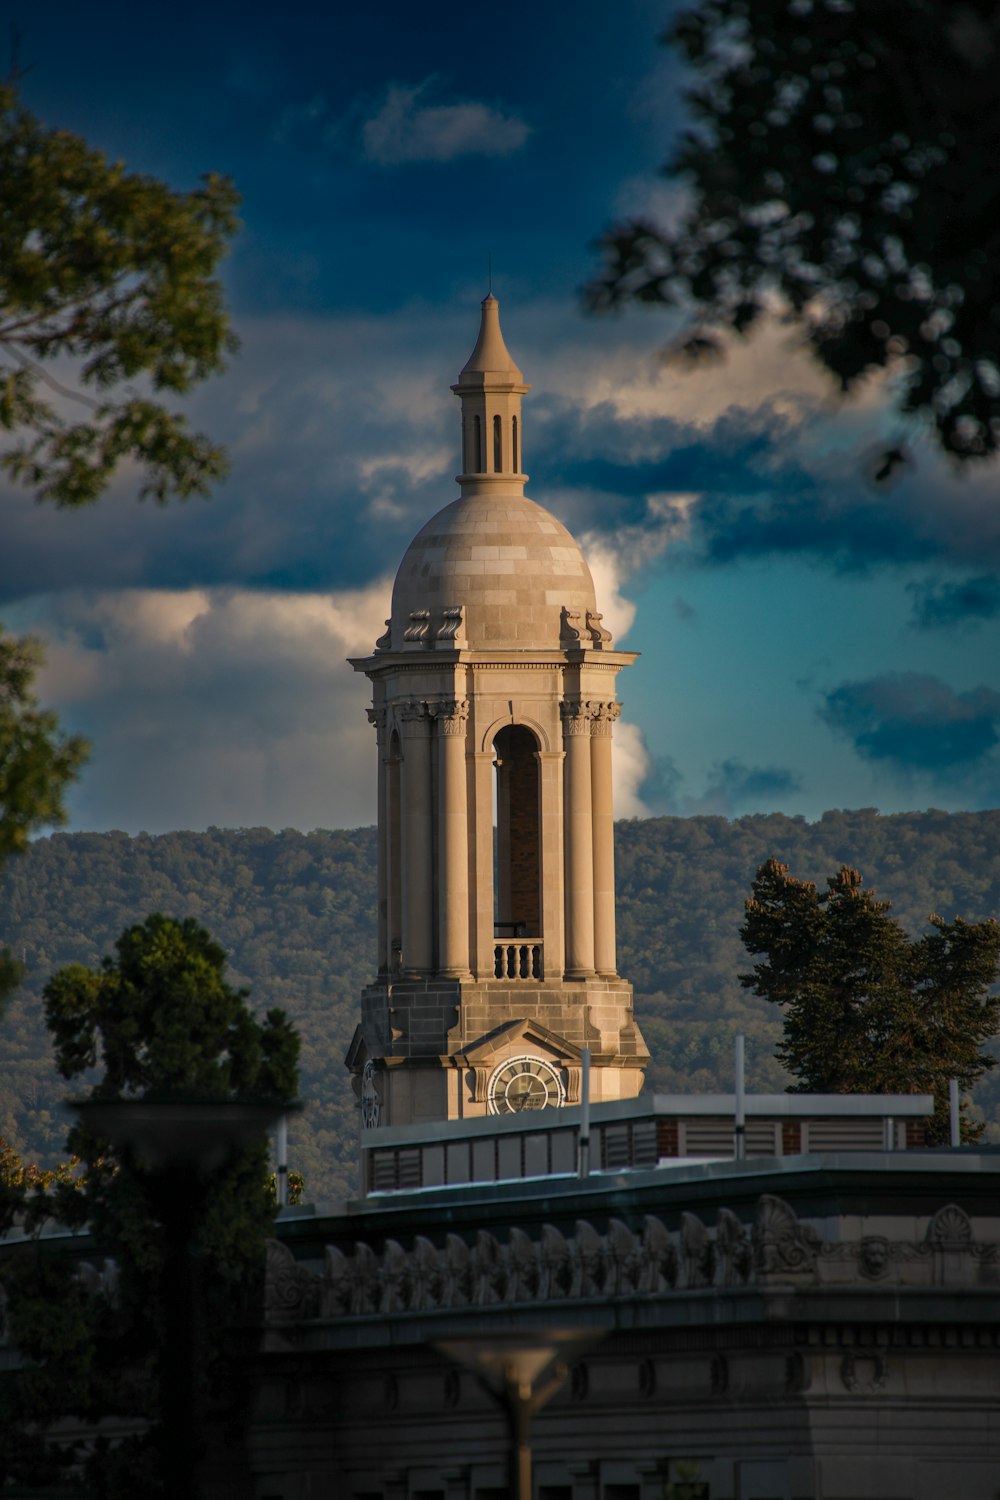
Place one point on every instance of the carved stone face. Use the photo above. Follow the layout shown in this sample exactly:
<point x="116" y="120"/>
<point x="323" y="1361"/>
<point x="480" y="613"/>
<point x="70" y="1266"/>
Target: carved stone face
<point x="873" y="1256"/>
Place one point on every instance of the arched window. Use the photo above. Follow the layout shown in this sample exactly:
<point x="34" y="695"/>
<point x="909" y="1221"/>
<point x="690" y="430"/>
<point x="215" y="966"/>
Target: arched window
<point x="497" y="447"/>
<point x="477" y="438"/>
<point x="513" y="445"/>
<point x="517" y="907"/>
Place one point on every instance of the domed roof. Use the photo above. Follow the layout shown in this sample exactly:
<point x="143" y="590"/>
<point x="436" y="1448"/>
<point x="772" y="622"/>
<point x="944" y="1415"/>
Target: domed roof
<point x="508" y="561"/>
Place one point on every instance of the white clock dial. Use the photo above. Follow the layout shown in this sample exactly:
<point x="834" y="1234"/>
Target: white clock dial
<point x="524" y="1083"/>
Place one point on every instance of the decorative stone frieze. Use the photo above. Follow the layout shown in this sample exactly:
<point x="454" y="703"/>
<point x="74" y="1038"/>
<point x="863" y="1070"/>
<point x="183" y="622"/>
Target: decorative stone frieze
<point x="623" y="1262"/>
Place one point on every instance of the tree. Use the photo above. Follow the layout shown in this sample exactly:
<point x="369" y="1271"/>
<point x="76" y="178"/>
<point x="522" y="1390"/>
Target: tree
<point x="834" y="172"/>
<point x="111" y="275"/>
<point x="160" y="1020"/>
<point x="114" y="274"/>
<point x="37" y="763"/>
<point x="866" y="1009"/>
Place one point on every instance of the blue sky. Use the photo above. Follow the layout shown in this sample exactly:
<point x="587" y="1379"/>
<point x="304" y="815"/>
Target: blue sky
<point x="807" y="640"/>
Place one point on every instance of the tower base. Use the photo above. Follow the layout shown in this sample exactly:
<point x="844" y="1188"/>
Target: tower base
<point x="435" y="1043"/>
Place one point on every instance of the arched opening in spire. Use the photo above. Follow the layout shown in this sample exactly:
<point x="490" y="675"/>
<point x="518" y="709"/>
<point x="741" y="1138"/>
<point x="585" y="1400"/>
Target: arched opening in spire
<point x="517" y="887"/>
<point x="497" y="446"/>
<point x="514" y="456"/>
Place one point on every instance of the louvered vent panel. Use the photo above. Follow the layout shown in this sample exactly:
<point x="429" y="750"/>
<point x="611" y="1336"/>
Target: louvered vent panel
<point x="707" y="1138"/>
<point x="844" y="1135"/>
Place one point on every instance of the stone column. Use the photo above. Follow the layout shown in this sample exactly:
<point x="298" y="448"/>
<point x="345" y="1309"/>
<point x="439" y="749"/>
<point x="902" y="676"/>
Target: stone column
<point x="376" y="716"/>
<point x="605" y="960"/>
<point x="481" y="822"/>
<point x="453" y="840"/>
<point x="417" y="863"/>
<point x="579" y="841"/>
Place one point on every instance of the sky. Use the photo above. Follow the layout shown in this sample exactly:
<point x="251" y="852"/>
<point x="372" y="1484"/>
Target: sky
<point x="808" y="641"/>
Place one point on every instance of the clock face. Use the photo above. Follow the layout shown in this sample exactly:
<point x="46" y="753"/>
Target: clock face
<point x="371" y="1104"/>
<point x="524" y="1083"/>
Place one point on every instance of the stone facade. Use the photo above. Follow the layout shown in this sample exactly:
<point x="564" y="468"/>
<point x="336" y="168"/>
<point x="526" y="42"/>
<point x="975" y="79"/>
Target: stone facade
<point x="828" y="1331"/>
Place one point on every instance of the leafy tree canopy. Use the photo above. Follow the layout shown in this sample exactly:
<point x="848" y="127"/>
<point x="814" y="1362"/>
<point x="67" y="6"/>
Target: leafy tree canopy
<point x="37" y="763"/>
<point x="834" y="169"/>
<point x="112" y="275"/>
<point x="867" y="1009"/>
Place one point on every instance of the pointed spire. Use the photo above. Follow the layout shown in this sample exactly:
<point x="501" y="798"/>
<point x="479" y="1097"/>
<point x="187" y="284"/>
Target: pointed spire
<point x="490" y="361"/>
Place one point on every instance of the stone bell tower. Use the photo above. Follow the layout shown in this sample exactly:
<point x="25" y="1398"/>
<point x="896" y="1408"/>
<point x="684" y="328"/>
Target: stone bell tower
<point x="493" y="705"/>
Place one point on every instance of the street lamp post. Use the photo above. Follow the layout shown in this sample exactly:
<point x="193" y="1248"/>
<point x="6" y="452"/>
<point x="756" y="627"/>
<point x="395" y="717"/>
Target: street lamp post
<point x="180" y="1143"/>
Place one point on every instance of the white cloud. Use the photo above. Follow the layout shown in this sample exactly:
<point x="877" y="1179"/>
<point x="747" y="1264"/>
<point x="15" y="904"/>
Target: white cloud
<point x="630" y="768"/>
<point x="405" y="128"/>
<point x="217" y="706"/>
<point x="614" y="557"/>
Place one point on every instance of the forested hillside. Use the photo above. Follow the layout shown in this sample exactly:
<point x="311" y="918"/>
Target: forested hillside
<point x="296" y="913"/>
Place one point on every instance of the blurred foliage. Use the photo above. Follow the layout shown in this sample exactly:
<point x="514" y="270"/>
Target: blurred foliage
<point x="833" y="172"/>
<point x="159" y="1020"/>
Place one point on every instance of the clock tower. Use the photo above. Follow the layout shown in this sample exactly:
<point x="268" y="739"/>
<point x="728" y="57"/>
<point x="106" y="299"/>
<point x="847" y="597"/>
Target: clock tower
<point x="493" y="703"/>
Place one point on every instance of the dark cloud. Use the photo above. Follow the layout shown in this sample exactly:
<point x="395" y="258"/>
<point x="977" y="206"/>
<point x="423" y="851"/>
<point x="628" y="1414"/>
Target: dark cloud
<point x="914" y="721"/>
<point x="684" y="611"/>
<point x="947" y="605"/>
<point x="734" y="788"/>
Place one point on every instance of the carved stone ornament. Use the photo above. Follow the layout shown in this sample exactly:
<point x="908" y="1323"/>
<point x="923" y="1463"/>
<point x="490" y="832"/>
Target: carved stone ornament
<point x="873" y="1257"/>
<point x="577" y="716"/>
<point x="950" y="1228"/>
<point x="600" y="638"/>
<point x="452" y="714"/>
<point x="621" y="1263"/>
<point x="412" y="710"/>
<point x="418" y="630"/>
<point x="377" y="717"/>
<point x="570" y="628"/>
<point x="371" y="1099"/>
<point x="451" y="631"/>
<point x="781" y="1245"/>
<point x="603" y="717"/>
<point x="384" y="642"/>
<point x="864" y="1372"/>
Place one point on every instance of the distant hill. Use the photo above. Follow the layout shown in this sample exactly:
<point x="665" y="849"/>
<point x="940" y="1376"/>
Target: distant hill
<point x="296" y="914"/>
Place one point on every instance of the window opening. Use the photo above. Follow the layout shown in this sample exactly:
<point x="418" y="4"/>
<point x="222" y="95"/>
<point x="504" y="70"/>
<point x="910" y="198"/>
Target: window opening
<point x="517" y="888"/>
<point x="513" y="445"/>
<point x="497" y="447"/>
<point x="477" y="436"/>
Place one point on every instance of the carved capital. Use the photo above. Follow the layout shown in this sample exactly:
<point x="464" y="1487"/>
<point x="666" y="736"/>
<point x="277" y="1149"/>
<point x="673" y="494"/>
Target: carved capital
<point x="377" y="719"/>
<point x="576" y="716"/>
<point x="604" y="716"/>
<point x="412" y="711"/>
<point x="452" y="714"/>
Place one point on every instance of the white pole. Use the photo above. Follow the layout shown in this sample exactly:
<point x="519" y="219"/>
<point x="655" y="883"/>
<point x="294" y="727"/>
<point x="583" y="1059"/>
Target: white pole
<point x="281" y="1152"/>
<point x="741" y="1103"/>
<point x="954" y="1110"/>
<point x="584" y="1144"/>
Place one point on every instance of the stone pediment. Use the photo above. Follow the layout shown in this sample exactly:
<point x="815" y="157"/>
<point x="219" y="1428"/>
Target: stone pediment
<point x="518" y="1035"/>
